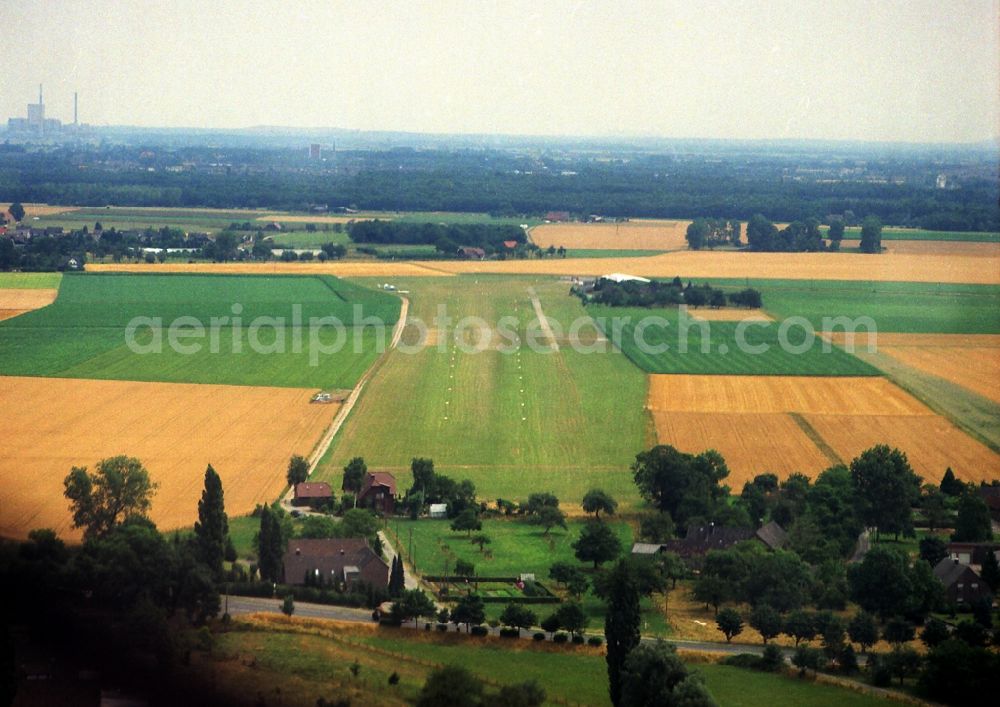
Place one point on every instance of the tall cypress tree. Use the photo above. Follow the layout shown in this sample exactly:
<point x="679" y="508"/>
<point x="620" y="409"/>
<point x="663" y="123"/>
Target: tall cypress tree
<point x="621" y="624"/>
<point x="212" y="528"/>
<point x="396" y="581"/>
<point x="269" y="545"/>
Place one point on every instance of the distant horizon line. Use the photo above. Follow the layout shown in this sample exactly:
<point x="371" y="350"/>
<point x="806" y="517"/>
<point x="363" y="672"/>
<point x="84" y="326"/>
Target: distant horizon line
<point x="986" y="142"/>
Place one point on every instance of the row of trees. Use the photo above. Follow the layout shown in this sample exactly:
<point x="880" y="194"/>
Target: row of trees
<point x="446" y="238"/>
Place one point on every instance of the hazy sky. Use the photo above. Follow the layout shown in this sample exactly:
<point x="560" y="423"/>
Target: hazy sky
<point x="915" y="70"/>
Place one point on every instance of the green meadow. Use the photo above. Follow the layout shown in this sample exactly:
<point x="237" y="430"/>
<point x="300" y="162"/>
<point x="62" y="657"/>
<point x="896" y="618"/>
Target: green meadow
<point x="309" y="665"/>
<point x="30" y="280"/>
<point x="240" y="330"/>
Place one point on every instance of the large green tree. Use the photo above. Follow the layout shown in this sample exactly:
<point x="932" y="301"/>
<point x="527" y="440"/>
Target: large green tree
<point x="871" y="235"/>
<point x="16" y="210"/>
<point x="886" y="489"/>
<point x="212" y="527"/>
<point x="973" y="524"/>
<point x="681" y="484"/>
<point x="597" y="543"/>
<point x="298" y="470"/>
<point x="621" y="624"/>
<point x="119" y="488"/>
<point x="654" y="675"/>
<point x="354" y="475"/>
<point x="597" y="500"/>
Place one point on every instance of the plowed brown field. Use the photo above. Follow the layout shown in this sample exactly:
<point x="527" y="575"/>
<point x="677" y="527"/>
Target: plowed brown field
<point x="15" y="301"/>
<point x="52" y="424"/>
<point x="784" y="424"/>
<point x="628" y="235"/>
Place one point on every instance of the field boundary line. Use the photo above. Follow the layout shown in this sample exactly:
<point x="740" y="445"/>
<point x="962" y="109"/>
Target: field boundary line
<point x="816" y="438"/>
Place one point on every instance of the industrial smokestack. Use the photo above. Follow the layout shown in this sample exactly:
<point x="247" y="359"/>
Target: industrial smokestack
<point x="74" y="108"/>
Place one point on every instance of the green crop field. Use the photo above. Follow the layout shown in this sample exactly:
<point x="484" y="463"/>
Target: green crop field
<point x="309" y="239"/>
<point x="122" y="218"/>
<point x="672" y="342"/>
<point x="917" y="234"/>
<point x="907" y="307"/>
<point x="30" y="280"/>
<point x="512" y="423"/>
<point x="83" y="333"/>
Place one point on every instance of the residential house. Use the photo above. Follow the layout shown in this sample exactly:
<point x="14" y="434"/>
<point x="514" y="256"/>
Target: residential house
<point x="312" y="494"/>
<point x="971" y="553"/>
<point x="378" y="492"/>
<point x="714" y="537"/>
<point x="961" y="583"/>
<point x="470" y="253"/>
<point x="438" y="510"/>
<point x="338" y="562"/>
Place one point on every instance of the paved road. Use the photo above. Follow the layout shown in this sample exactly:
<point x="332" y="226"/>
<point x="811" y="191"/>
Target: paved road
<point x="254" y="605"/>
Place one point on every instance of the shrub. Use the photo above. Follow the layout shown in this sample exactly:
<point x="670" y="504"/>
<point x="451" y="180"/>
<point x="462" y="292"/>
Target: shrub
<point x="748" y="661"/>
<point x="394" y="678"/>
<point x="560" y="637"/>
<point x="772" y="660"/>
<point x="480" y="631"/>
<point x="578" y="639"/>
<point x="442" y="627"/>
<point x="427" y="627"/>
<point x="509" y="632"/>
<point x="539" y="636"/>
<point x="595" y="641"/>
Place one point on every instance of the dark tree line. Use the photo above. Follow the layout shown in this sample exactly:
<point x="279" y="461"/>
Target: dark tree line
<point x="447" y="238"/>
<point x="727" y="185"/>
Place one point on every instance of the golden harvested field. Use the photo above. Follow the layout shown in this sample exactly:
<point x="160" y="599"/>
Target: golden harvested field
<point x="690" y="264"/>
<point x="629" y="235"/>
<point x="976" y="368"/>
<point x="890" y="267"/>
<point x="766" y="423"/>
<point x="780" y="394"/>
<point x="979" y="250"/>
<point x="15" y="301"/>
<point x="751" y="443"/>
<point x="38" y="209"/>
<point x="53" y="424"/>
<point x="968" y="360"/>
<point x="341" y="269"/>
<point x="729" y="315"/>
<point x="931" y="443"/>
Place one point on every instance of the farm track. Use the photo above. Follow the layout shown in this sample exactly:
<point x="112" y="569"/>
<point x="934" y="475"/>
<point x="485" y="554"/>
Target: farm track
<point x="345" y="409"/>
